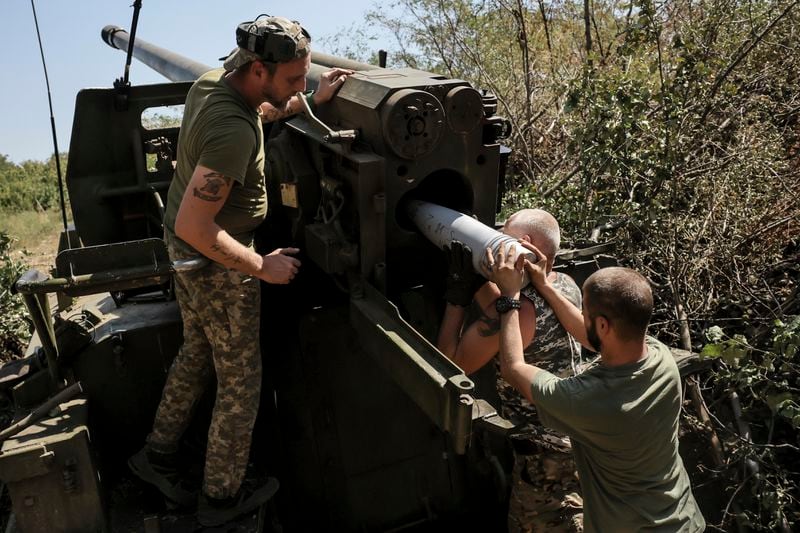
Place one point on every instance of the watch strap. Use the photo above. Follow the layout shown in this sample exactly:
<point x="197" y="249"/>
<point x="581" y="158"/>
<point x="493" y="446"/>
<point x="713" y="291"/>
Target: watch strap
<point x="504" y="304"/>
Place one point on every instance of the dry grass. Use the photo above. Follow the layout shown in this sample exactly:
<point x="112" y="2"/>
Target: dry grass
<point x="35" y="235"/>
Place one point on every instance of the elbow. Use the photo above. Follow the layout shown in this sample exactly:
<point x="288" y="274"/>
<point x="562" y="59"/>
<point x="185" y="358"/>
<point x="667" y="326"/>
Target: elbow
<point x="180" y="228"/>
<point x="187" y="230"/>
<point x="183" y="232"/>
<point x="182" y="224"/>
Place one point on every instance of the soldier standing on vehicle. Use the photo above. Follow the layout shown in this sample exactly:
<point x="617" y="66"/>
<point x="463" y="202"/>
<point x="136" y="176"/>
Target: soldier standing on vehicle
<point x="622" y="415"/>
<point x="543" y="458"/>
<point x="216" y="200"/>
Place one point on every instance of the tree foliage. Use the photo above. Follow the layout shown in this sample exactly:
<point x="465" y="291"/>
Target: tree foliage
<point x="29" y="185"/>
<point x="762" y="386"/>
<point x="13" y="326"/>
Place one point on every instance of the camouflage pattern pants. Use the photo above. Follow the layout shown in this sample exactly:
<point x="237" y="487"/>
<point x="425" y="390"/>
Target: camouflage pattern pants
<point x="220" y="310"/>
<point x="545" y="492"/>
<point x="545" y="496"/>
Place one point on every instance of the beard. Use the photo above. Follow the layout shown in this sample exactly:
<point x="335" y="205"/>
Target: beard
<point x="273" y="101"/>
<point x="268" y="95"/>
<point x="593" y="338"/>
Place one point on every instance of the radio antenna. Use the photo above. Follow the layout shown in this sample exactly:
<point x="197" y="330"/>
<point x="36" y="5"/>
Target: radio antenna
<point x="53" y="129"/>
<point x="124" y="82"/>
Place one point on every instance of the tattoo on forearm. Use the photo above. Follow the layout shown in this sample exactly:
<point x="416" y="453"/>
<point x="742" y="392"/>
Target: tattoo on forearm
<point x="230" y="257"/>
<point x="210" y="191"/>
<point x="488" y="326"/>
<point x="273" y="114"/>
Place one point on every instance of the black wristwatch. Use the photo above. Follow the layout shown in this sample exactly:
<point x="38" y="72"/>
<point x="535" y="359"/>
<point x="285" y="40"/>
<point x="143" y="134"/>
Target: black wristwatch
<point x="504" y="304"/>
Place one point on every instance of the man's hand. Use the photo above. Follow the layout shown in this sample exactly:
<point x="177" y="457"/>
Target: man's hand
<point x="537" y="271"/>
<point x="506" y="269"/>
<point x="462" y="280"/>
<point x="329" y="83"/>
<point x="278" y="267"/>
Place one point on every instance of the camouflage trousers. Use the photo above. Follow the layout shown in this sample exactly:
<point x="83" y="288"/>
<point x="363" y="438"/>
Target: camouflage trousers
<point x="545" y="492"/>
<point x="220" y="310"/>
<point x="545" y="495"/>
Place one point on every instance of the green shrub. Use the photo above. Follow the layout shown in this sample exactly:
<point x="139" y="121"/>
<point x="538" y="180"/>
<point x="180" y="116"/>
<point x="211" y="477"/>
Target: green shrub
<point x="766" y="379"/>
<point x="13" y="326"/>
<point x="29" y="185"/>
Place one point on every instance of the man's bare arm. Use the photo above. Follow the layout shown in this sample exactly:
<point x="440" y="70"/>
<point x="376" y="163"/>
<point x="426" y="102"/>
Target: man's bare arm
<point x="481" y="340"/>
<point x="195" y="223"/>
<point x="270" y="113"/>
<point x="507" y="275"/>
<point x="450" y="330"/>
<point x="513" y="367"/>
<point x="570" y="316"/>
<point x="203" y="199"/>
<point x="329" y="82"/>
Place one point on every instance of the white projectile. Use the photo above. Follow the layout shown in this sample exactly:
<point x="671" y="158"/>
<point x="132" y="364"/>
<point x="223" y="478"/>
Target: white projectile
<point x="442" y="226"/>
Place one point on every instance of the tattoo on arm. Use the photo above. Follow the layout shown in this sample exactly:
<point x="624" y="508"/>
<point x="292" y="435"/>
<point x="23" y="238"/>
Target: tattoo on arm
<point x="273" y="114"/>
<point x="231" y="257"/>
<point x="210" y="191"/>
<point x="488" y="326"/>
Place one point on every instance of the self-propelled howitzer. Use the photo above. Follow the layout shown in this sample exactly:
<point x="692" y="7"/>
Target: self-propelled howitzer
<point x="366" y="424"/>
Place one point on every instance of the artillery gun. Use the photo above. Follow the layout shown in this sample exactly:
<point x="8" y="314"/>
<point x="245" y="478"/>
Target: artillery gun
<point x="367" y="425"/>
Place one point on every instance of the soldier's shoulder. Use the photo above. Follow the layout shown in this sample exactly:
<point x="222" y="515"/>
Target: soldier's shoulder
<point x="567" y="286"/>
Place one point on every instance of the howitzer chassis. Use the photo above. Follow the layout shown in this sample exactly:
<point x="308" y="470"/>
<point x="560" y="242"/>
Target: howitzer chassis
<point x="367" y="426"/>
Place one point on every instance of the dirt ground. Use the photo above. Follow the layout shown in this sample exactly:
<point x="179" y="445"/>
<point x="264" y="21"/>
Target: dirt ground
<point x="40" y="255"/>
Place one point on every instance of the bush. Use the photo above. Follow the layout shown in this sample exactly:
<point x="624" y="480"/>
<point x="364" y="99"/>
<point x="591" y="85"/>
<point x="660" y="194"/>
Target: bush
<point x="13" y="325"/>
<point x="766" y="383"/>
<point x="29" y="185"/>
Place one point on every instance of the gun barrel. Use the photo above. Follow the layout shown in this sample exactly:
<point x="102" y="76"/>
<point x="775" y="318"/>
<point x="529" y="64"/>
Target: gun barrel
<point x="172" y="66"/>
<point x="327" y="60"/>
<point x="176" y="67"/>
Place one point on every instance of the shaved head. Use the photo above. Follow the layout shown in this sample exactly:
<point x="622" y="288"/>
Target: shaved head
<point x="540" y="227"/>
<point x="623" y="296"/>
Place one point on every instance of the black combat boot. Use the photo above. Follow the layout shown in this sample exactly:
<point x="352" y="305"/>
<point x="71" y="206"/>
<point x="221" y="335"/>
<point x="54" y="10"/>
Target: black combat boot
<point x="161" y="471"/>
<point x="213" y="512"/>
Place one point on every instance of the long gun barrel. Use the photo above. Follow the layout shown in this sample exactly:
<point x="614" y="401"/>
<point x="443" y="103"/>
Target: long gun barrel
<point x="176" y="67"/>
<point x="172" y="66"/>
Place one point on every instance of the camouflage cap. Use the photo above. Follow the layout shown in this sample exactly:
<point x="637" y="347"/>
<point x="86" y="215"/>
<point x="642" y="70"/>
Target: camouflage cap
<point x="269" y="39"/>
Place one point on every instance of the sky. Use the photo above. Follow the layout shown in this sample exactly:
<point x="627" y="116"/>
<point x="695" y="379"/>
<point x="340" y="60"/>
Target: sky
<point x="77" y="57"/>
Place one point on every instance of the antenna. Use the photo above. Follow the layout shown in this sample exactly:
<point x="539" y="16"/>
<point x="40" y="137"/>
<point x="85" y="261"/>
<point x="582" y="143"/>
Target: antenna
<point x="53" y="128"/>
<point x="123" y="83"/>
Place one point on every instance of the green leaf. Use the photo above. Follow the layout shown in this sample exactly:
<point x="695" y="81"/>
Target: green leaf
<point x="714" y="334"/>
<point x="711" y="351"/>
<point x="791" y="351"/>
<point x="733" y="353"/>
<point x="776" y="401"/>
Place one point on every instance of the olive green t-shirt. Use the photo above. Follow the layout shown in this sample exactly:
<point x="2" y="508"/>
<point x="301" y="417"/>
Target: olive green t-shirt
<point x="623" y="424"/>
<point x="221" y="132"/>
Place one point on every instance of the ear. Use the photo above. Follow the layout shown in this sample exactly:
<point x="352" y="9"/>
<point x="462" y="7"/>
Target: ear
<point x="603" y="326"/>
<point x="257" y="69"/>
<point x="526" y="238"/>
